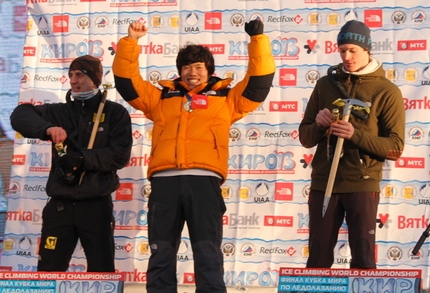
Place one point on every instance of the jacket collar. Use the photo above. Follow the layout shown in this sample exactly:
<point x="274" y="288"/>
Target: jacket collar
<point x="90" y="103"/>
<point x="214" y="83"/>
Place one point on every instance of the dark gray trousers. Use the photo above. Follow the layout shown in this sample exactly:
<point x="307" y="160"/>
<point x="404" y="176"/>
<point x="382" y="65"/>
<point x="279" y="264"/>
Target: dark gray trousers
<point x="196" y="200"/>
<point x="359" y="210"/>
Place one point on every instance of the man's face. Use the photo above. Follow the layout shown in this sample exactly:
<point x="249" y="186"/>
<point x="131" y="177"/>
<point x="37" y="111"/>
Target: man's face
<point x="354" y="57"/>
<point x="194" y="74"/>
<point x="80" y="82"/>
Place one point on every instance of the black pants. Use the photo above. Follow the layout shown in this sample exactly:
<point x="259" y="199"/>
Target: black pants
<point x="359" y="209"/>
<point x="173" y="201"/>
<point x="64" y="222"/>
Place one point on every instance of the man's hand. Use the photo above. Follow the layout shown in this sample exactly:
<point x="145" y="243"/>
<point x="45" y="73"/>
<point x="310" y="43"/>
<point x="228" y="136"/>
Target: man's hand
<point x="71" y="162"/>
<point x="254" y="27"/>
<point x="136" y="30"/>
<point x="57" y="134"/>
<point x="343" y="129"/>
<point x="324" y="118"/>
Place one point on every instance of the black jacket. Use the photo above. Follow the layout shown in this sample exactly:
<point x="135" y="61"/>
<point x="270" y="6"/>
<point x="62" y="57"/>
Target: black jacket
<point x="110" y="152"/>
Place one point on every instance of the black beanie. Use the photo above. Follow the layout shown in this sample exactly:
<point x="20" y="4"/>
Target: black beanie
<point x="89" y="65"/>
<point x="355" y="32"/>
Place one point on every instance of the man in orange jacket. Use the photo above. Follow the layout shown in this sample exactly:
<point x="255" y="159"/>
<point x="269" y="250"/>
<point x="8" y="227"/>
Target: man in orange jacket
<point x="192" y="116"/>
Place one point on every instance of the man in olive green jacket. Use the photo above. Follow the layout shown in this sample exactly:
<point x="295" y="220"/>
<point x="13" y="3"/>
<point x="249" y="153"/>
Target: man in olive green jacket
<point x="369" y="140"/>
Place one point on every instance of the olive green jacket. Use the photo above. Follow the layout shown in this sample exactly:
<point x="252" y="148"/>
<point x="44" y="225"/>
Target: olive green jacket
<point x="376" y="138"/>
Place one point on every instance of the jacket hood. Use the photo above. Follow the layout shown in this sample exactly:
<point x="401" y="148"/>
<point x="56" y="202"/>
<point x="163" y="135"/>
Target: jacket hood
<point x="372" y="70"/>
<point x="371" y="67"/>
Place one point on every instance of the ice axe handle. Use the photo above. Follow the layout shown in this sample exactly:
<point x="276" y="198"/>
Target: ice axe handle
<point x="333" y="169"/>
<point x="421" y="240"/>
<point x="97" y="122"/>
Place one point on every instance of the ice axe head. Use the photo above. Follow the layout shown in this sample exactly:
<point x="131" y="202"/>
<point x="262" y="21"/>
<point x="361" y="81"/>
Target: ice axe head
<point x="353" y="106"/>
<point x="107" y="86"/>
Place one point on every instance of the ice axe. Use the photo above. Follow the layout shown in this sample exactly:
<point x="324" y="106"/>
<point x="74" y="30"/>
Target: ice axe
<point x="106" y="86"/>
<point x="348" y="105"/>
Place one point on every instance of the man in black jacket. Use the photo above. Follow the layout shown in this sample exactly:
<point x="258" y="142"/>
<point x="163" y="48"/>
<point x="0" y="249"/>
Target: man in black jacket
<point x="83" y="169"/>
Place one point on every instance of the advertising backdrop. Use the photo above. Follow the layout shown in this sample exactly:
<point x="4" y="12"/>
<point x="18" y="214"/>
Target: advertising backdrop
<point x="266" y="222"/>
<point x="12" y="34"/>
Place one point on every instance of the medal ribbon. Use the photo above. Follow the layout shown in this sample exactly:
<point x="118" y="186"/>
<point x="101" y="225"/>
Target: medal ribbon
<point x="192" y="92"/>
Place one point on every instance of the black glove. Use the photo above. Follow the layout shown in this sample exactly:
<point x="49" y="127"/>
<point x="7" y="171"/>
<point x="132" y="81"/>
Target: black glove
<point x="254" y="27"/>
<point x="71" y="162"/>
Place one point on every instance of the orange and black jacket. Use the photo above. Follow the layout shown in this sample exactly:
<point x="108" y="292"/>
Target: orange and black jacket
<point x="198" y="139"/>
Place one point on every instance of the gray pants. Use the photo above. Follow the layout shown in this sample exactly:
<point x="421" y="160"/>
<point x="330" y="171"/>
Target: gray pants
<point x="173" y="201"/>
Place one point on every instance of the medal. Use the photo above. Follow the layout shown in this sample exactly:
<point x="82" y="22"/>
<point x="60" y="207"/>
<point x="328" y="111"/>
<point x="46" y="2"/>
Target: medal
<point x="61" y="149"/>
<point x="187" y="106"/>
